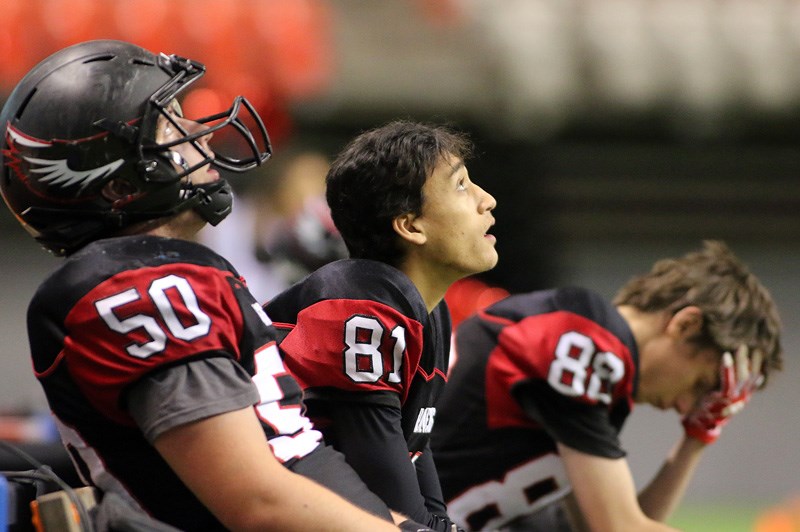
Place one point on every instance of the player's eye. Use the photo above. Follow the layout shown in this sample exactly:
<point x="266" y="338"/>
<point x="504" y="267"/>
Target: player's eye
<point x="705" y="386"/>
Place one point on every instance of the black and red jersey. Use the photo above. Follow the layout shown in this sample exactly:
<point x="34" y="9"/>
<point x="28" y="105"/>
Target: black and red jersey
<point x="126" y="308"/>
<point x="372" y="362"/>
<point x="531" y="370"/>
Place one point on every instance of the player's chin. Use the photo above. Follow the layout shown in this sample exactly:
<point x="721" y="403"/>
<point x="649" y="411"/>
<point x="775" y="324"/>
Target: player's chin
<point x="487" y="260"/>
<point x="494" y="258"/>
<point x="206" y="175"/>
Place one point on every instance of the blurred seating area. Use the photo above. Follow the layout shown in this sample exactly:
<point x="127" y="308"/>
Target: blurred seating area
<point x="532" y="69"/>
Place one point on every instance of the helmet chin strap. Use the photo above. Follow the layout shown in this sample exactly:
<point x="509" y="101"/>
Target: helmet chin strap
<point x="215" y="201"/>
<point x="212" y="201"/>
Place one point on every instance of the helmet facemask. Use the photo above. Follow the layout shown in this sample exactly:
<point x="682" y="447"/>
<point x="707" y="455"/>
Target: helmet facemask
<point x="163" y="104"/>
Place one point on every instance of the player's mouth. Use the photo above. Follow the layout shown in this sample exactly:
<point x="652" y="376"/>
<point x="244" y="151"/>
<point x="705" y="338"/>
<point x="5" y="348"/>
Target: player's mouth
<point x="488" y="235"/>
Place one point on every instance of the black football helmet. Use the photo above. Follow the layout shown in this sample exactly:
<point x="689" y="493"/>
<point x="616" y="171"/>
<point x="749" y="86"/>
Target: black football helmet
<point x="87" y="115"/>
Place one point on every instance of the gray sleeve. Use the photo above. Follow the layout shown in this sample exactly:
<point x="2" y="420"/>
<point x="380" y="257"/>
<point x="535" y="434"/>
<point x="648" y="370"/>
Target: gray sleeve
<point x="189" y="392"/>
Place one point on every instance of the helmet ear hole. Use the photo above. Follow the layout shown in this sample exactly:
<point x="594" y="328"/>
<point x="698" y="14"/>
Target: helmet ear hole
<point x="116" y="189"/>
<point x="158" y="168"/>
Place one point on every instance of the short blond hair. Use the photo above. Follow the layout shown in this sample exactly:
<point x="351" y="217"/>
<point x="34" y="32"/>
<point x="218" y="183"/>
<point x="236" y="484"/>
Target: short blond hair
<point x="737" y="308"/>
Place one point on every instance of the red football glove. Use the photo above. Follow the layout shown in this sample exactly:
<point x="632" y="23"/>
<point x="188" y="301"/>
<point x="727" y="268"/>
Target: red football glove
<point x="739" y="381"/>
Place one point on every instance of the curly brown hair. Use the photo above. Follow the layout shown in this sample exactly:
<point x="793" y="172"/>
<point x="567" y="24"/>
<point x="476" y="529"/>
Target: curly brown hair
<point x="737" y="308"/>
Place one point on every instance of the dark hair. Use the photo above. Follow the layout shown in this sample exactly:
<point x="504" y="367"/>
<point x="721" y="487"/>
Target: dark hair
<point x="379" y="175"/>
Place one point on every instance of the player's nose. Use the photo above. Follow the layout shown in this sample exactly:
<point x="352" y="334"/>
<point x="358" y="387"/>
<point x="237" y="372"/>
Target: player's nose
<point x="487" y="202"/>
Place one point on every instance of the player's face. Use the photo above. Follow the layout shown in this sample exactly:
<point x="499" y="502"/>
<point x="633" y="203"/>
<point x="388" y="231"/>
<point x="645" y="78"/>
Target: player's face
<point x="456" y="218"/>
<point x="186" y="154"/>
<point x="683" y="377"/>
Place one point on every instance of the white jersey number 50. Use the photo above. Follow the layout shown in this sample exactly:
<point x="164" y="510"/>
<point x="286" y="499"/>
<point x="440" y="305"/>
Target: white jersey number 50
<point x="158" y="294"/>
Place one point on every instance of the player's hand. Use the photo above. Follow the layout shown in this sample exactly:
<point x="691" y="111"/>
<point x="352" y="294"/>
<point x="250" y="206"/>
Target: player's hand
<point x="739" y="380"/>
<point x="412" y="526"/>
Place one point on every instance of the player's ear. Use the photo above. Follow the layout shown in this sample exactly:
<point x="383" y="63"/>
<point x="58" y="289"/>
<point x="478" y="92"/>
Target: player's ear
<point x="408" y="225"/>
<point x="686" y="323"/>
<point x="117" y="189"/>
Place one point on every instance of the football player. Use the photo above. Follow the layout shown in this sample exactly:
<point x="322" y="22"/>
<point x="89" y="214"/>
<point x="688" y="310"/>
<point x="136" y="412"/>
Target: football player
<point x="368" y="337"/>
<point x="528" y="429"/>
<point x="159" y="366"/>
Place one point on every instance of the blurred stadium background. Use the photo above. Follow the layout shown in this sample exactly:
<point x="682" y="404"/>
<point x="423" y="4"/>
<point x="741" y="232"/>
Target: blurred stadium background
<point x="611" y="132"/>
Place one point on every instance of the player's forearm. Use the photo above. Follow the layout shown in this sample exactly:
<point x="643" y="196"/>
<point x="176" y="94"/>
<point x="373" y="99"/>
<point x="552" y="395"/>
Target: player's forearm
<point x="398" y="486"/>
<point x="399" y="489"/>
<point x="379" y="455"/>
<point x="663" y="494"/>
<point x="320" y="509"/>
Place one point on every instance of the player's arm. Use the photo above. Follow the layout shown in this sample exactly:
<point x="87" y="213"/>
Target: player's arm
<point x="663" y="494"/>
<point x="702" y="426"/>
<point x="429" y="484"/>
<point x="199" y="416"/>
<point x="226" y="462"/>
<point x="371" y="437"/>
<point x="605" y="492"/>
